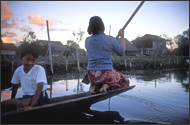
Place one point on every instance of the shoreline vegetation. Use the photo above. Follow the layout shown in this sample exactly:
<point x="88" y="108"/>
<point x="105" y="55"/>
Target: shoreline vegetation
<point x="66" y="68"/>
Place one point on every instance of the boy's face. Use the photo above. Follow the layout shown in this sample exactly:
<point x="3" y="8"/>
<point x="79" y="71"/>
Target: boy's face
<point x="28" y="61"/>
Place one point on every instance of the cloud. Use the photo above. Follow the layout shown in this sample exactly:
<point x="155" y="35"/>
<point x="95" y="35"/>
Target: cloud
<point x="22" y="20"/>
<point x="12" y="23"/>
<point x="24" y="28"/>
<point x="42" y="28"/>
<point x="65" y="30"/>
<point x="6" y="13"/>
<point x="56" y="21"/>
<point x="52" y="29"/>
<point x="6" y="39"/>
<point x="38" y="20"/>
<point x="6" y="25"/>
<point x="8" y="34"/>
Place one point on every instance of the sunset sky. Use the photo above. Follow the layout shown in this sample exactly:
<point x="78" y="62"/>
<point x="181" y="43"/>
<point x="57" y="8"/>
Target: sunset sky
<point x="65" y="17"/>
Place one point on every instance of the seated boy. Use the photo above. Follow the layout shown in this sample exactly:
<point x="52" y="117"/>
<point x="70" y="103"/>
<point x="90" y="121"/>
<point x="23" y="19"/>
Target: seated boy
<point x="32" y="79"/>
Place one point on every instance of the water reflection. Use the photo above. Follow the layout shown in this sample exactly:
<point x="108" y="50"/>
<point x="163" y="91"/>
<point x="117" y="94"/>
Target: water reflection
<point x="56" y="88"/>
<point x="181" y="77"/>
<point x="50" y="80"/>
<point x="156" y="108"/>
<point x="65" y="87"/>
<point x="79" y="88"/>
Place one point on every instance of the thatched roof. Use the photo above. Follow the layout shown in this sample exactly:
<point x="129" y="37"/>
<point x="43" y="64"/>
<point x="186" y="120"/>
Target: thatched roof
<point x="81" y="50"/>
<point x="148" y="37"/>
<point x="57" y="45"/>
<point x="7" y="46"/>
<point x="128" y="46"/>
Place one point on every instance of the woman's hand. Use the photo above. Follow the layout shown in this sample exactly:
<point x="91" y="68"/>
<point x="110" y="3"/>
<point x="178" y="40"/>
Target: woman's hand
<point x="121" y="33"/>
<point x="122" y="43"/>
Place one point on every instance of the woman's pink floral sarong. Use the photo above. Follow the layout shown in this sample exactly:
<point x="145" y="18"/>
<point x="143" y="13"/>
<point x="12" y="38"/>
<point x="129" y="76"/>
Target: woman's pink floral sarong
<point x="111" y="77"/>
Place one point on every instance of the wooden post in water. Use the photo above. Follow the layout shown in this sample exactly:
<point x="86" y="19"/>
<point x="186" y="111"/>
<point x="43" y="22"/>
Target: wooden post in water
<point x="78" y="83"/>
<point x="78" y="64"/>
<point x="49" y="45"/>
<point x="66" y="64"/>
<point x="50" y="89"/>
<point x="125" y="63"/>
<point x="155" y="83"/>
<point x="12" y="66"/>
<point x="154" y="58"/>
<point x="130" y="65"/>
<point x="160" y="64"/>
<point x="169" y="61"/>
<point x="66" y="85"/>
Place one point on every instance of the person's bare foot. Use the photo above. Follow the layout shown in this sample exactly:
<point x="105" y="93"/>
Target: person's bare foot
<point x="104" y="87"/>
<point x="92" y="88"/>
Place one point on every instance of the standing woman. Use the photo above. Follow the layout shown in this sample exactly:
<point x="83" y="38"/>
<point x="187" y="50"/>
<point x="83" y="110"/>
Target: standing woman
<point x="99" y="48"/>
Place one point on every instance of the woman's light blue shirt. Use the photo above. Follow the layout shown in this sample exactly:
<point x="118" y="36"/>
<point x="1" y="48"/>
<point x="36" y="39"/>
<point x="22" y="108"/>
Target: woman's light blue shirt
<point x="99" y="49"/>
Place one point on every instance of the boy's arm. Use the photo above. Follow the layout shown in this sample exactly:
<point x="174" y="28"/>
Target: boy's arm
<point x="14" y="90"/>
<point x="37" y="94"/>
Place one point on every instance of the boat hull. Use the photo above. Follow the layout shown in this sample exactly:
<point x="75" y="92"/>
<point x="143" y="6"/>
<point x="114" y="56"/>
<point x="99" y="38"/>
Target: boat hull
<point x="61" y="105"/>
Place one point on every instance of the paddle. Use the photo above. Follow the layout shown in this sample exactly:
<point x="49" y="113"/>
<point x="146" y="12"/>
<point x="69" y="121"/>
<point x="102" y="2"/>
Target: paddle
<point x="131" y="18"/>
<point x="86" y="80"/>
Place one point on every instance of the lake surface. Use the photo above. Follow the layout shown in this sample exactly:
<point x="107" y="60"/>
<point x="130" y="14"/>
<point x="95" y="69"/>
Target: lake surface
<point x="161" y="98"/>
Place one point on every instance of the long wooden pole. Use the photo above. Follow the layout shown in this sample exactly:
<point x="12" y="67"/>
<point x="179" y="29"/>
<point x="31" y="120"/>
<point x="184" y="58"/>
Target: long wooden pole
<point x="50" y="56"/>
<point x="78" y="63"/>
<point x="131" y="17"/>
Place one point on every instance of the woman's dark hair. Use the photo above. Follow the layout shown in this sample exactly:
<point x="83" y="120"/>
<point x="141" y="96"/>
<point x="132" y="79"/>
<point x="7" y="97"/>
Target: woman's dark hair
<point x="30" y="48"/>
<point x="95" y="24"/>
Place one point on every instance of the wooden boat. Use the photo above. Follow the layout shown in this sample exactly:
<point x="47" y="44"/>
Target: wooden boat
<point x="61" y="104"/>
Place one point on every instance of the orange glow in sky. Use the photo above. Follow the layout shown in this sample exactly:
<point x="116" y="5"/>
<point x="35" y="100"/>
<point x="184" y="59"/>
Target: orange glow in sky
<point x="6" y="39"/>
<point x="6" y="13"/>
<point x="38" y="20"/>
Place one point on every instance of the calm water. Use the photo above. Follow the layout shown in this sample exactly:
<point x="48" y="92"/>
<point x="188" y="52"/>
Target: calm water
<point x="157" y="98"/>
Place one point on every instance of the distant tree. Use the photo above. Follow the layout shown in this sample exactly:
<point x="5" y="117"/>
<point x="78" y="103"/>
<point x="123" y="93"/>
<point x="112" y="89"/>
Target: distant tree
<point x="32" y="35"/>
<point x="31" y="38"/>
<point x="169" y="41"/>
<point x="182" y="42"/>
<point x="72" y="45"/>
<point x="168" y="52"/>
<point x="79" y="38"/>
